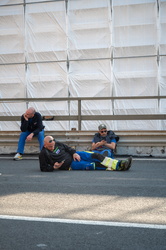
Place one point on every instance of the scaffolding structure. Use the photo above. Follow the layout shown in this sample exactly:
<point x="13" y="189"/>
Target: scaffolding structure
<point x="84" y="48"/>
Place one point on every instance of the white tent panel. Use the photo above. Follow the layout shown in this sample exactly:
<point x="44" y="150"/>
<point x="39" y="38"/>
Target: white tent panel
<point x="162" y="12"/>
<point x="9" y="126"/>
<point x="12" y="85"/>
<point x="163" y="106"/>
<point x="163" y="39"/>
<point x="89" y="30"/>
<point x="11" y="109"/>
<point x="12" y="81"/>
<point x="137" y="125"/>
<point x="130" y="13"/>
<point x="12" y="34"/>
<point x="129" y="2"/>
<point x="135" y="77"/>
<point x="90" y="78"/>
<point x="92" y="125"/>
<point x="6" y="2"/>
<point x="87" y="5"/>
<point x="135" y="32"/>
<point x="162" y="69"/>
<point x="40" y="1"/>
<point x="83" y="34"/>
<point x="56" y="125"/>
<point x="47" y="80"/>
<point x="135" y="107"/>
<point x="46" y="38"/>
<point x="94" y="107"/>
<point x="163" y="111"/>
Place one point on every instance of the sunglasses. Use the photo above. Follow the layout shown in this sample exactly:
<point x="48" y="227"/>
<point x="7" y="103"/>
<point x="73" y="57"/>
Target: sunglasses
<point x="51" y="140"/>
<point x="104" y="131"/>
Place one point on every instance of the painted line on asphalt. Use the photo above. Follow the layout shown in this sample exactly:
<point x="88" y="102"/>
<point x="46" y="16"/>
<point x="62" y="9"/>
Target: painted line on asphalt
<point x="118" y="157"/>
<point x="83" y="222"/>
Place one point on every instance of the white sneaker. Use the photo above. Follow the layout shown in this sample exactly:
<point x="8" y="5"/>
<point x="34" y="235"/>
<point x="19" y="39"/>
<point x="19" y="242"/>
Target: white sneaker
<point x="17" y="157"/>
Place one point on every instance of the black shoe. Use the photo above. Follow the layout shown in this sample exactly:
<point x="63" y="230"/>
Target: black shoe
<point x="130" y="160"/>
<point x="105" y="153"/>
<point x="98" y="156"/>
<point x="125" y="164"/>
<point x="99" y="165"/>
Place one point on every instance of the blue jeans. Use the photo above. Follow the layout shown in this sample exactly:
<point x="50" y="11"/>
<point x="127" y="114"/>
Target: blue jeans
<point x="106" y="152"/>
<point x="22" y="139"/>
<point x="86" y="162"/>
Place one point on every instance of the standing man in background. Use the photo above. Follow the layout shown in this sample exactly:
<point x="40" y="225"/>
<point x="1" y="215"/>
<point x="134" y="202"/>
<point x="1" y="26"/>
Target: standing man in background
<point x="104" y="141"/>
<point x="31" y="125"/>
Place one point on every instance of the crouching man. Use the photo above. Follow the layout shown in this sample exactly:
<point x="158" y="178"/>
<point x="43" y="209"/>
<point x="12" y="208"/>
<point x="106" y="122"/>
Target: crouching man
<point x="56" y="155"/>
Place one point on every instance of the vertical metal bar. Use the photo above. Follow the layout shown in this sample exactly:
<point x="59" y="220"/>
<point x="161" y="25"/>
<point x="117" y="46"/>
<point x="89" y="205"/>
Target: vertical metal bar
<point x="158" y="52"/>
<point x="79" y="114"/>
<point x="25" y="52"/>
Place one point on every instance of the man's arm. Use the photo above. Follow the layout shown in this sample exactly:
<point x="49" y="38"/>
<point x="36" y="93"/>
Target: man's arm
<point x="24" y="123"/>
<point x="96" y="142"/>
<point x="111" y="145"/>
<point x="68" y="149"/>
<point x="96" y="145"/>
<point x="39" y="125"/>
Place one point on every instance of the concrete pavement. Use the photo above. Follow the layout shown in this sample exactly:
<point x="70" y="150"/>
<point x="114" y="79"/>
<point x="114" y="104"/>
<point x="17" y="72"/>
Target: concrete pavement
<point x="136" y="197"/>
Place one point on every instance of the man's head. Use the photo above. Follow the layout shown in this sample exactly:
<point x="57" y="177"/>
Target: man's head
<point x="102" y="130"/>
<point x="49" y="142"/>
<point x="30" y="112"/>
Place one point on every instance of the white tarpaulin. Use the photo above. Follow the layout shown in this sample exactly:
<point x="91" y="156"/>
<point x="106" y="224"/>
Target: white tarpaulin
<point x="46" y="38"/>
<point x="134" y="28"/>
<point x="87" y="78"/>
<point x="89" y="29"/>
<point x="84" y="48"/>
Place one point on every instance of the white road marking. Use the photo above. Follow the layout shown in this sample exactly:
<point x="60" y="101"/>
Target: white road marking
<point x="141" y="158"/>
<point x="84" y="222"/>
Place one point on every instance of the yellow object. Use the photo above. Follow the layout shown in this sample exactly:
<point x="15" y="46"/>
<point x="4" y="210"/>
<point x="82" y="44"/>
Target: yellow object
<point x="109" y="163"/>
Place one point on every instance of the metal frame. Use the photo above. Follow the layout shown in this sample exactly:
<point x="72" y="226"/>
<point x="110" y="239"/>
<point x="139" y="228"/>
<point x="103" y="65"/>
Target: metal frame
<point x="79" y="117"/>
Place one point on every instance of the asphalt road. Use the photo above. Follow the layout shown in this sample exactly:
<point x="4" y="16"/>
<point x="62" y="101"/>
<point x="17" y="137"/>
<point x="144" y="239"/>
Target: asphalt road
<point x="88" y="210"/>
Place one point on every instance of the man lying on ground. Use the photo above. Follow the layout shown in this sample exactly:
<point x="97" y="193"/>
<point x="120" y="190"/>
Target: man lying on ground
<point x="56" y="155"/>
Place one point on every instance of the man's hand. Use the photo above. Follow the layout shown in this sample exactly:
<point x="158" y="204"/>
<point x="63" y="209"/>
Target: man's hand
<point x="25" y="117"/>
<point x="29" y="137"/>
<point x="103" y="142"/>
<point x="58" y="165"/>
<point x="76" y="157"/>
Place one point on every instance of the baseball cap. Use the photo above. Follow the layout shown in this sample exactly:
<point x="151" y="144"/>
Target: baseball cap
<point x="101" y="126"/>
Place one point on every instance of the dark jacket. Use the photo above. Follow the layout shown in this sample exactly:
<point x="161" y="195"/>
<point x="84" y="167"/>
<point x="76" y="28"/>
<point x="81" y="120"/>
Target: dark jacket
<point x="61" y="152"/>
<point x="110" y="136"/>
<point x="33" y="124"/>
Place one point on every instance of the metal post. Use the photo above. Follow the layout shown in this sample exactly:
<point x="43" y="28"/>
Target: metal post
<point x="79" y="114"/>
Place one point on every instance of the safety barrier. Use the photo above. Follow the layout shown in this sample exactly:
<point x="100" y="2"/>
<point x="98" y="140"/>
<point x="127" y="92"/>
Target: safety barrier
<point x="139" y="143"/>
<point x="136" y="143"/>
<point x="79" y="117"/>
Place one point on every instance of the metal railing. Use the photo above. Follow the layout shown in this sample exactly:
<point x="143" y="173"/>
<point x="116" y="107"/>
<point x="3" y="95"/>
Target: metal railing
<point x="79" y="117"/>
